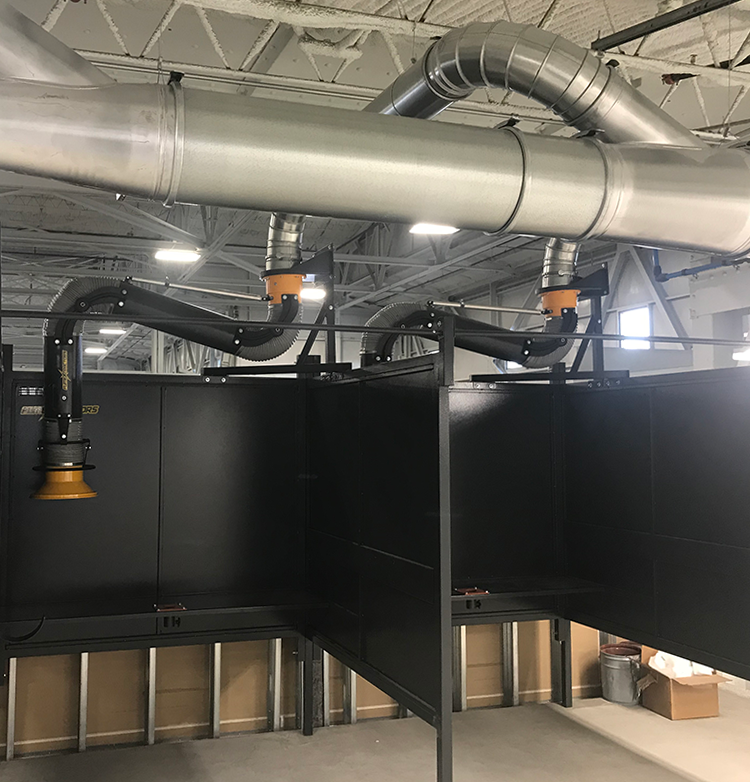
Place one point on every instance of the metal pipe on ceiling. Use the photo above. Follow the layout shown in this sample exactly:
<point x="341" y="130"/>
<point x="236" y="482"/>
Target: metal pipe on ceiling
<point x="485" y="307"/>
<point x="661" y="22"/>
<point x="160" y="142"/>
<point x="29" y="52"/>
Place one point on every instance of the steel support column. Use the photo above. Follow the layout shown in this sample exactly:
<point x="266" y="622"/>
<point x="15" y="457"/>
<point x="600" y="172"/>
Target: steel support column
<point x="10" y="730"/>
<point x="350" y="696"/>
<point x="215" y="691"/>
<point x="151" y="698"/>
<point x="273" y="701"/>
<point x="459" y="668"/>
<point x="83" y="701"/>
<point x="511" y="695"/>
<point x="326" y="666"/>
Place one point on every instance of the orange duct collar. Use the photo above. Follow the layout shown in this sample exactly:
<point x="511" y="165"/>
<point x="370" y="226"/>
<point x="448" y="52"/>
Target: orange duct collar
<point x="64" y="485"/>
<point x="278" y="285"/>
<point x="554" y="302"/>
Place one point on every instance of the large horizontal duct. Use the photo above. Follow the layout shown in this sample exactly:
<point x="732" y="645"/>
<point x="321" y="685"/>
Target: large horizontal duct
<point x="160" y="142"/>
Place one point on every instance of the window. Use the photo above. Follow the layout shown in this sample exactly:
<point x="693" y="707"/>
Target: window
<point x="635" y="323"/>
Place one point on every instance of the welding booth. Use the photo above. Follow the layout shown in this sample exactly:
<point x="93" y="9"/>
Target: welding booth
<point x="359" y="513"/>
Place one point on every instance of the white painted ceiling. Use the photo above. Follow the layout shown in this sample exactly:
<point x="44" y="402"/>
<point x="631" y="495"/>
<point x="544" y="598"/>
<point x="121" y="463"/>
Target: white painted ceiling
<point x="341" y="53"/>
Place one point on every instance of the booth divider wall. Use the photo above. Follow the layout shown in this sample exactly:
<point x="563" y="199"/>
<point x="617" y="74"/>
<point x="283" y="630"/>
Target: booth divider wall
<point x="374" y="545"/>
<point x="658" y="513"/>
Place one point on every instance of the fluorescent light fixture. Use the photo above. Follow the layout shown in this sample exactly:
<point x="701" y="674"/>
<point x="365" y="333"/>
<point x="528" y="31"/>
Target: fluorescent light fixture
<point x="95" y="351"/>
<point x="742" y="355"/>
<point x="431" y="228"/>
<point x="636" y="323"/>
<point x="313" y="294"/>
<point x="113" y="331"/>
<point x="177" y="255"/>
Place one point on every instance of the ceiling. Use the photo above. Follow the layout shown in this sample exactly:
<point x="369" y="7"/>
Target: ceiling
<point x="340" y="54"/>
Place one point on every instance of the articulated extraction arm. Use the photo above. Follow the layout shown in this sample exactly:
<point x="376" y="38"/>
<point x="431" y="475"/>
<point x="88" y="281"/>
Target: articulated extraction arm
<point x="63" y="446"/>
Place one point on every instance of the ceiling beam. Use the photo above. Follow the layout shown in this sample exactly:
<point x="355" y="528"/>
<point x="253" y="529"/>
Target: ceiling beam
<point x="661" y="22"/>
<point x="319" y="17"/>
<point x="14" y="239"/>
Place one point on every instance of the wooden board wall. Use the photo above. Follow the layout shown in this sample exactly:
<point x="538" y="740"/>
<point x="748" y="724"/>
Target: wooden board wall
<point x="47" y="700"/>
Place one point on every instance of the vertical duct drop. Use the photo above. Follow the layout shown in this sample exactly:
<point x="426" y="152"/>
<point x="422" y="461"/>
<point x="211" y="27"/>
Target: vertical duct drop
<point x="62" y="446"/>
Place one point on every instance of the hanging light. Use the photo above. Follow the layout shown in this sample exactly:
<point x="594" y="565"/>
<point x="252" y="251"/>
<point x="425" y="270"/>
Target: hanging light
<point x="313" y="294"/>
<point x="432" y="229"/>
<point x="177" y="255"/>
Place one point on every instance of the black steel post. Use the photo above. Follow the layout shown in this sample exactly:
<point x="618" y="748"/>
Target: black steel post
<point x="63" y="371"/>
<point x="307" y="649"/>
<point x="562" y="662"/>
<point x="597" y="346"/>
<point x="444" y="725"/>
<point x="331" y="319"/>
<point x="447" y="343"/>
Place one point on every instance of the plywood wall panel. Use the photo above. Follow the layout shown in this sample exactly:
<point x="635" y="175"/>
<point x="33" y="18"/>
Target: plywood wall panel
<point x="47" y="708"/>
<point x="586" y="675"/>
<point x="47" y="703"/>
<point x="289" y="682"/>
<point x="534" y="669"/>
<point x="117" y="697"/>
<point x="244" y="677"/>
<point x="3" y="723"/>
<point x="182" y="692"/>
<point x="484" y="679"/>
<point x="371" y="702"/>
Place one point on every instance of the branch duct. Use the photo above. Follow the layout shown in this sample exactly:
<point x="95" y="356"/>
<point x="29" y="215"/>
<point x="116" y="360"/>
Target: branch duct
<point x="569" y="80"/>
<point x="28" y="52"/>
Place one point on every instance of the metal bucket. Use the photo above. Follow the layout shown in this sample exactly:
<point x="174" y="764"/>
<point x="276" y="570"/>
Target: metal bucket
<point x="620" y="666"/>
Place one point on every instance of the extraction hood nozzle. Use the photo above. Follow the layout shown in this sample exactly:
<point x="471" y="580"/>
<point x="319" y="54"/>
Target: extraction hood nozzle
<point x="64" y="485"/>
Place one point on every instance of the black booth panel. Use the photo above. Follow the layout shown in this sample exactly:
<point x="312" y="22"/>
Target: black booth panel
<point x="401" y="637"/>
<point x="92" y="550"/>
<point x="334" y="465"/>
<point x="399" y="463"/>
<point x="608" y="459"/>
<point x="682" y="581"/>
<point x="701" y="437"/>
<point x="502" y="513"/>
<point x="232" y="469"/>
<point x="621" y="561"/>
<point x="703" y="599"/>
<point x="373" y="544"/>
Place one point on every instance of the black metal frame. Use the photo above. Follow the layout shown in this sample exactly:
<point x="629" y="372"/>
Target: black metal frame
<point x="513" y="600"/>
<point x="115" y="630"/>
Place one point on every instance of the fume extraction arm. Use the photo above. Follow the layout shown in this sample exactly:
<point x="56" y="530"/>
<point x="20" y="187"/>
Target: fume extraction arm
<point x="63" y="447"/>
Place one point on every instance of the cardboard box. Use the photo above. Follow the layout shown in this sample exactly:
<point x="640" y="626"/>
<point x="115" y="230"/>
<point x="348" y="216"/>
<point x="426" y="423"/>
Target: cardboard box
<point x="684" y="698"/>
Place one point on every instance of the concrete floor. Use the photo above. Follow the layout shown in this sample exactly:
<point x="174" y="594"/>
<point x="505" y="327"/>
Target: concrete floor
<point x="534" y="743"/>
<point x="711" y="750"/>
